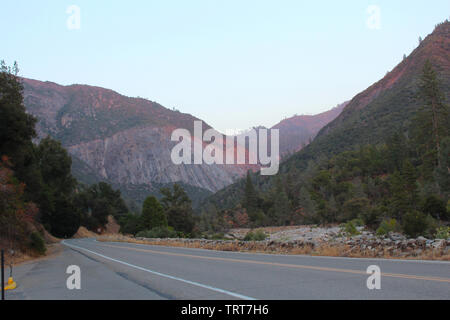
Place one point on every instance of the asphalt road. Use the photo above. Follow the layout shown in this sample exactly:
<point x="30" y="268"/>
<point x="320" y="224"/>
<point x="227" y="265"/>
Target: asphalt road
<point x="112" y="270"/>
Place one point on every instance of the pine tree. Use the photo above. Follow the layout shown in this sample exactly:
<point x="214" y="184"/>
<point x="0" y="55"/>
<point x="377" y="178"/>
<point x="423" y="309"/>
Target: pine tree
<point x="178" y="209"/>
<point x="410" y="184"/>
<point x="432" y="121"/>
<point x="152" y="214"/>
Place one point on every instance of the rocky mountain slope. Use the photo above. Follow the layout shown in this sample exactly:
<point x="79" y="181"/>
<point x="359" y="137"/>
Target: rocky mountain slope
<point x="298" y="131"/>
<point x="123" y="140"/>
<point x="126" y="141"/>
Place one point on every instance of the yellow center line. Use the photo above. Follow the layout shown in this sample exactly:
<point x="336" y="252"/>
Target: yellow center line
<point x="286" y="265"/>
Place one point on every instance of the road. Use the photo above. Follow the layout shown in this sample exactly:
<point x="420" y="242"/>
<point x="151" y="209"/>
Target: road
<point x="113" y="270"/>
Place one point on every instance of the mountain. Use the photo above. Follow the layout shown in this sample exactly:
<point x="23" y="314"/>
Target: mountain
<point x="375" y="114"/>
<point x="124" y="141"/>
<point x="297" y="131"/>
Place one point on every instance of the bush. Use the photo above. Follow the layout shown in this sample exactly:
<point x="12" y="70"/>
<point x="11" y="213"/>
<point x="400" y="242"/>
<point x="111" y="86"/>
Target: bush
<point x="415" y="224"/>
<point x="358" y="222"/>
<point x="258" y="235"/>
<point x="350" y="228"/>
<point x="373" y="216"/>
<point x="387" y="226"/>
<point x="442" y="233"/>
<point x="158" y="232"/>
<point x="217" y="236"/>
<point x="435" y="207"/>
<point x="37" y="243"/>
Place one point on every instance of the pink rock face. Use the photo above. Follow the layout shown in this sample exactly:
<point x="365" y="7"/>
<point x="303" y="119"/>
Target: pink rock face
<point x="298" y="131"/>
<point x="127" y="140"/>
<point x="123" y="140"/>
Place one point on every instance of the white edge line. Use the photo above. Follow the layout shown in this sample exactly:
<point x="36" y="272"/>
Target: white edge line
<point x="236" y="295"/>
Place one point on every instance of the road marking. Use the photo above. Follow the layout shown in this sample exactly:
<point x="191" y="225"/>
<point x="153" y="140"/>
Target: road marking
<point x="236" y="295"/>
<point x="297" y="266"/>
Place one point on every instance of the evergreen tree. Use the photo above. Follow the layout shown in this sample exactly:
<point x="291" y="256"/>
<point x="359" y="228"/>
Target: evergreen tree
<point x="250" y="201"/>
<point x="432" y="121"/>
<point x="178" y="209"/>
<point x="410" y="183"/>
<point x="152" y="214"/>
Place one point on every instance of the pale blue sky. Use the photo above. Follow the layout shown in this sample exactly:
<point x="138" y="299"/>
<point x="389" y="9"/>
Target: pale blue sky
<point x="234" y="64"/>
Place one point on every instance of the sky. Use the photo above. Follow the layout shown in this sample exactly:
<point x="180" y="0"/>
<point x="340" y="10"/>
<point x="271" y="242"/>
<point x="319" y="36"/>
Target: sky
<point x="233" y="64"/>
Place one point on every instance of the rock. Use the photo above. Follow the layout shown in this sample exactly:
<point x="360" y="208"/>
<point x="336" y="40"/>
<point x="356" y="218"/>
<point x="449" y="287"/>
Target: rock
<point x="438" y="244"/>
<point x="396" y="236"/>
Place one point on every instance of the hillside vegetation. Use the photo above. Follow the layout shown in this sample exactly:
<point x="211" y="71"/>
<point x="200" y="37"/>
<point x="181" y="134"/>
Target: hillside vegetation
<point x="383" y="161"/>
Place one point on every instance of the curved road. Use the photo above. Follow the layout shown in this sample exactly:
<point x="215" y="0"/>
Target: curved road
<point x="113" y="270"/>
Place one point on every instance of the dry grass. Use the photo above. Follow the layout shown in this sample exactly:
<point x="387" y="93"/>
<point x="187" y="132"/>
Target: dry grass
<point x="21" y="257"/>
<point x="324" y="249"/>
<point x="84" y="233"/>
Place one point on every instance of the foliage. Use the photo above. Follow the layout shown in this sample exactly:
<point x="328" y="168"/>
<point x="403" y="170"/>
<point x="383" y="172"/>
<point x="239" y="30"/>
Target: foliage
<point x="97" y="202"/>
<point x="130" y="224"/>
<point x="435" y="207"/>
<point x="158" y="232"/>
<point x="257" y="235"/>
<point x="178" y="209"/>
<point x="17" y="216"/>
<point x="442" y="232"/>
<point x="415" y="224"/>
<point x="152" y="215"/>
<point x="350" y="228"/>
<point x="37" y="243"/>
<point x="386" y="226"/>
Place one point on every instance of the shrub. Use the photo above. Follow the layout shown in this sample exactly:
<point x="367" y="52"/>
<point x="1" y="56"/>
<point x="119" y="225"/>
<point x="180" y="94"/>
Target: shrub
<point x="158" y="232"/>
<point x="37" y="243"/>
<point x="373" y="216"/>
<point x="415" y="224"/>
<point x="350" y="228"/>
<point x="442" y="233"/>
<point x="258" y="235"/>
<point x="358" y="222"/>
<point x="217" y="236"/>
<point x="387" y="226"/>
<point x="435" y="207"/>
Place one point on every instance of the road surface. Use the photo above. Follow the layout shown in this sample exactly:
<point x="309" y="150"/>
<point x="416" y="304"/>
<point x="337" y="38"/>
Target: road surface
<point x="114" y="270"/>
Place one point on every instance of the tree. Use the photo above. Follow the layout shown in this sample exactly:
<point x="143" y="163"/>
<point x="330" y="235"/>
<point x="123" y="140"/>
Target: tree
<point x="355" y="208"/>
<point x="152" y="214"/>
<point x="17" y="131"/>
<point x="432" y="122"/>
<point x="410" y="184"/>
<point x="55" y="164"/>
<point x="129" y="224"/>
<point x="435" y="207"/>
<point x="58" y="213"/>
<point x="415" y="224"/>
<point x="250" y="201"/>
<point x="97" y="202"/>
<point x="178" y="209"/>
<point x="16" y="215"/>
<point x="16" y="126"/>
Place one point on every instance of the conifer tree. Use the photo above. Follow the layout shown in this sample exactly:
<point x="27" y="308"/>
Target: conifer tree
<point x="432" y="121"/>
